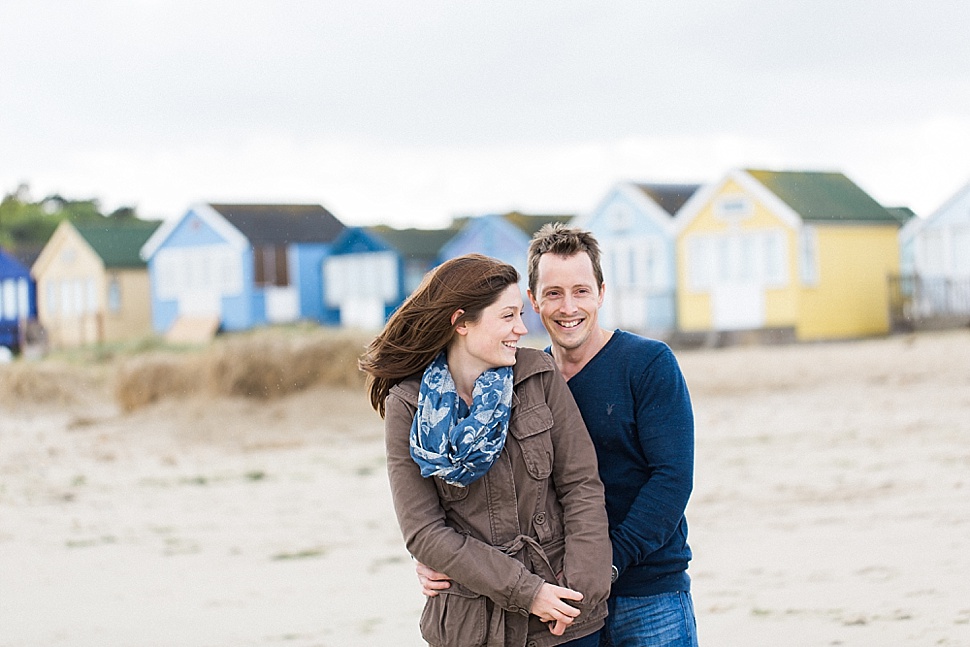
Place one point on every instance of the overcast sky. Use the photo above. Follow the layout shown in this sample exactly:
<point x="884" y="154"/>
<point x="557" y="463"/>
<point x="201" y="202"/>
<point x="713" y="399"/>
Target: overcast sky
<point x="409" y="113"/>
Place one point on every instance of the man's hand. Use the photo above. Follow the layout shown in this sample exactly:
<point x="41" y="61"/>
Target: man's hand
<point x="431" y="580"/>
<point x="549" y="605"/>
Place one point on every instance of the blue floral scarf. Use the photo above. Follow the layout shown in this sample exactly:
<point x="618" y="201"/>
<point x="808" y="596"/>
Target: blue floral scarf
<point x="452" y="441"/>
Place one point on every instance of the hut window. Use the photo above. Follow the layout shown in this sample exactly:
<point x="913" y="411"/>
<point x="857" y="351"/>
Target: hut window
<point x="270" y="265"/>
<point x="775" y="272"/>
<point x="8" y="300"/>
<point x="23" y="297"/>
<point x="91" y="297"/>
<point x="67" y="300"/>
<point x="13" y="299"/>
<point x="620" y="218"/>
<point x="733" y="208"/>
<point x="200" y="269"/>
<point x="114" y="295"/>
<point x="961" y="251"/>
<point x="370" y="276"/>
<point x="637" y="262"/>
<point x="933" y="250"/>
<point x="53" y="289"/>
<point x="809" y="256"/>
<point x="702" y="261"/>
<point x="72" y="297"/>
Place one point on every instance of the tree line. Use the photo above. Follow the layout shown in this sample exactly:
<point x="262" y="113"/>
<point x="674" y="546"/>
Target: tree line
<point x="26" y="224"/>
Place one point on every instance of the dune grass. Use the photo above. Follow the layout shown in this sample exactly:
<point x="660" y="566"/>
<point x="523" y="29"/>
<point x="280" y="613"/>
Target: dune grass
<point x="262" y="364"/>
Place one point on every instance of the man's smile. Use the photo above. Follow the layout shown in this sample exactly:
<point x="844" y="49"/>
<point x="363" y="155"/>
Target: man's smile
<point x="571" y="323"/>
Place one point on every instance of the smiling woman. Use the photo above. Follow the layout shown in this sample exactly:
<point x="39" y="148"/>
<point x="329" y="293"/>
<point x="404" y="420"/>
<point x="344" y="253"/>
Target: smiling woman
<point x="492" y="471"/>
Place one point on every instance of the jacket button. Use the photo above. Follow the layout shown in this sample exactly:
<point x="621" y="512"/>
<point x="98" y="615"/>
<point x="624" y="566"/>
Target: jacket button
<point x="532" y="643"/>
<point x="514" y="609"/>
<point x="540" y="518"/>
<point x="524" y="613"/>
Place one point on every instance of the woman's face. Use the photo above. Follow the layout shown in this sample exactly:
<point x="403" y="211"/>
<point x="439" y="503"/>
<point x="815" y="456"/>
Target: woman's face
<point x="492" y="339"/>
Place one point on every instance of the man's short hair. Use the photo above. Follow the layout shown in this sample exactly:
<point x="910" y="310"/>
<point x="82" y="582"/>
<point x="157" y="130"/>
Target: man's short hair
<point x="556" y="238"/>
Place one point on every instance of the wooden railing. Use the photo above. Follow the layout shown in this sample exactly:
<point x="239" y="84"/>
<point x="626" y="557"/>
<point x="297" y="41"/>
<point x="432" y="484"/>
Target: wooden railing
<point x="917" y="302"/>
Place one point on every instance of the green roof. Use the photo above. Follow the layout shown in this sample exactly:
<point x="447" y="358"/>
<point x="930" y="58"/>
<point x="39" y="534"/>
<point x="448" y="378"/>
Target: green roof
<point x="118" y="244"/>
<point x="415" y="243"/>
<point x="902" y="214"/>
<point x="530" y="224"/>
<point x="824" y="197"/>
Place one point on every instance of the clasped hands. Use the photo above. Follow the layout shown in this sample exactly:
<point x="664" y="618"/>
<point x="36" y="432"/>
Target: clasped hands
<point x="549" y="603"/>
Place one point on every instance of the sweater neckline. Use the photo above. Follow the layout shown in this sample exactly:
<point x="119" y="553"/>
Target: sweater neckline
<point x="600" y="353"/>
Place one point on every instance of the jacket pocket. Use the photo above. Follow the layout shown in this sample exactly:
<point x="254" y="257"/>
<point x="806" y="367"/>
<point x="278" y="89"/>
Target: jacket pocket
<point x="455" y="616"/>
<point x="531" y="427"/>
<point x="449" y="492"/>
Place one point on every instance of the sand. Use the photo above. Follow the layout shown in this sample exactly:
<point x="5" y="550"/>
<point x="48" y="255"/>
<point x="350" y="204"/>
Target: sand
<point x="831" y="507"/>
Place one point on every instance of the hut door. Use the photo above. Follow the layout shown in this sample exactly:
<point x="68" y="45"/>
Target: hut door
<point x="738" y="295"/>
<point x="366" y="313"/>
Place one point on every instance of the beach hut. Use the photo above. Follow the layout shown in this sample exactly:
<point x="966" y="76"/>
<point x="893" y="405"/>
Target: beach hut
<point x="505" y="237"/>
<point x="92" y="286"/>
<point x="371" y="270"/>
<point x="934" y="285"/>
<point x="634" y="224"/>
<point x="18" y="301"/>
<point x="238" y="266"/>
<point x="363" y="278"/>
<point x="795" y="254"/>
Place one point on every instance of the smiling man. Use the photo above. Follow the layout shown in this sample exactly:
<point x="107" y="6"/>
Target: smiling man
<point x="634" y="400"/>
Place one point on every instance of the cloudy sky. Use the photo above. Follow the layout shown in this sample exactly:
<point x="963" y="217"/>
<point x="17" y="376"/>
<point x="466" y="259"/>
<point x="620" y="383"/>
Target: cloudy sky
<point x="411" y="112"/>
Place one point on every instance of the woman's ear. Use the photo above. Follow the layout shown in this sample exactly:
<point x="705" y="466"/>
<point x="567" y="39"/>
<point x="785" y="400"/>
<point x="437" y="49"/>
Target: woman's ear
<point x="456" y="315"/>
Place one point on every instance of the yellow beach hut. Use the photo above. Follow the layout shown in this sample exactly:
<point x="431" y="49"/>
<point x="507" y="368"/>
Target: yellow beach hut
<point x="92" y="287"/>
<point x="801" y="254"/>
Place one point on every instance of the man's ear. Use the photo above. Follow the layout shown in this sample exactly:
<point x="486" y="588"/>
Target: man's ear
<point x="532" y="300"/>
<point x="599" y="303"/>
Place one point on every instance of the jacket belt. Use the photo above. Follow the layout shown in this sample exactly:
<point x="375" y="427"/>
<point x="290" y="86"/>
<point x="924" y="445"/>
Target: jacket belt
<point x="541" y="567"/>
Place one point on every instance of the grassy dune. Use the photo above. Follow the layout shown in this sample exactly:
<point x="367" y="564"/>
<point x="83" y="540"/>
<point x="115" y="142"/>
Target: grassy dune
<point x="263" y="364"/>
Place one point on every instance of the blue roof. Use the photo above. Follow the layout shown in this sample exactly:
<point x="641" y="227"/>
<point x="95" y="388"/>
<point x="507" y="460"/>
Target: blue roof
<point x="357" y="240"/>
<point x="10" y="267"/>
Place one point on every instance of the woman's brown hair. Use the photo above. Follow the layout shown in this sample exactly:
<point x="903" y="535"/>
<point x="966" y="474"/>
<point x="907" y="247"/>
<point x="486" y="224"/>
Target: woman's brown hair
<point x="422" y="327"/>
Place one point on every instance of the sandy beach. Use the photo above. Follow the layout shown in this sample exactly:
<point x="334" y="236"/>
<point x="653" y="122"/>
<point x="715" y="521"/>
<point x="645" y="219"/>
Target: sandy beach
<point x="831" y="507"/>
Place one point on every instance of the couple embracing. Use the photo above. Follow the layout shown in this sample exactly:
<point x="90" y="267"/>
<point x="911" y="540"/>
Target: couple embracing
<point x="541" y="493"/>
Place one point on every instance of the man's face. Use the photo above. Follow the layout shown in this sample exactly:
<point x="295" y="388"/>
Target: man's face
<point x="567" y="298"/>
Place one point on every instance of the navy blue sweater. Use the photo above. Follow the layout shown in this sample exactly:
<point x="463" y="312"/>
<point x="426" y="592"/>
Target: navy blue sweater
<point x="634" y="401"/>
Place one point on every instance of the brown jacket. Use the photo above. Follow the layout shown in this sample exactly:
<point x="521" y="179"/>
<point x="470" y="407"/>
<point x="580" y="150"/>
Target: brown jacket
<point x="537" y="515"/>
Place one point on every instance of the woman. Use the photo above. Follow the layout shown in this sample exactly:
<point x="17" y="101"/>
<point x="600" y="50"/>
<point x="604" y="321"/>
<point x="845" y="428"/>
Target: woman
<point x="492" y="471"/>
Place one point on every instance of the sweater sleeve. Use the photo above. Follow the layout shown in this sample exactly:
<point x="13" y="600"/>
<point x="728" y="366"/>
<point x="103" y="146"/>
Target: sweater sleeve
<point x="586" y="565"/>
<point x="665" y="430"/>
<point x="471" y="563"/>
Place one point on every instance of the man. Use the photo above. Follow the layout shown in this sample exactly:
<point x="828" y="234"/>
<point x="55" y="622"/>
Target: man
<point x="635" y="402"/>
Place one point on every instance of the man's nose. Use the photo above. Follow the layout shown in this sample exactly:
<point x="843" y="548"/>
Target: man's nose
<point x="568" y="304"/>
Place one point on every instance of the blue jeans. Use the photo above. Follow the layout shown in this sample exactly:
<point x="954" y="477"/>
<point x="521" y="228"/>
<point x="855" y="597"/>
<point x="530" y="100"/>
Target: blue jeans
<point x="664" y="620"/>
<point x="592" y="640"/>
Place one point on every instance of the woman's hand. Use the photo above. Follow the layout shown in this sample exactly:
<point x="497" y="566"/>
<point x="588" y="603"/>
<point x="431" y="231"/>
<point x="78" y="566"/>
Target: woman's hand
<point x="431" y="580"/>
<point x="549" y="605"/>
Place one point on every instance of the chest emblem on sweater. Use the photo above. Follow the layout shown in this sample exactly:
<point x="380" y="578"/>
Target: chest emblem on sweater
<point x="609" y="409"/>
